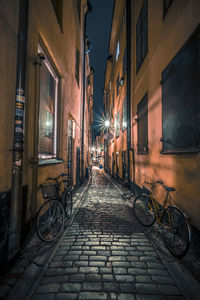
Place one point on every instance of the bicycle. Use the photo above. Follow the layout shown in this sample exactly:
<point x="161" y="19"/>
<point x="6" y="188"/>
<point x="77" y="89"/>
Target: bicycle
<point x="58" y="205"/>
<point x="175" y="227"/>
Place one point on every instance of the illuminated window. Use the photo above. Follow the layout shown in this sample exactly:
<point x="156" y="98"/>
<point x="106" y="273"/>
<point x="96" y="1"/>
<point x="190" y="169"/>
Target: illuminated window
<point x="47" y="146"/>
<point x="117" y="51"/>
<point x="124" y="114"/>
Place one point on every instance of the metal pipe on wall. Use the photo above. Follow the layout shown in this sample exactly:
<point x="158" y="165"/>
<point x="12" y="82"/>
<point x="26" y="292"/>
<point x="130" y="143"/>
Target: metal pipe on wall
<point x="18" y="140"/>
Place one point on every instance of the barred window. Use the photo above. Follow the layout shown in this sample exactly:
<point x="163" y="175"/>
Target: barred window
<point x="47" y="146"/>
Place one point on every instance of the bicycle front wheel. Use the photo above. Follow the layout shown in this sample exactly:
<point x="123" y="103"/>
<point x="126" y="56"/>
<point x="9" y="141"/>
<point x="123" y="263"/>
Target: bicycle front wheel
<point x="143" y="210"/>
<point x="175" y="231"/>
<point x="68" y="203"/>
<point x="50" y="220"/>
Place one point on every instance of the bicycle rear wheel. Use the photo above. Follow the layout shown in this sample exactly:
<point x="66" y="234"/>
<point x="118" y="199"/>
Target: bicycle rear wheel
<point x="175" y="231"/>
<point x="50" y="220"/>
<point x="68" y="203"/>
<point x="143" y="210"/>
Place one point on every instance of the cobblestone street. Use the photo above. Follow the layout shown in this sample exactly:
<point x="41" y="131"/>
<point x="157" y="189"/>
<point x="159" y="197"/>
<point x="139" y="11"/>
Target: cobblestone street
<point x="105" y="254"/>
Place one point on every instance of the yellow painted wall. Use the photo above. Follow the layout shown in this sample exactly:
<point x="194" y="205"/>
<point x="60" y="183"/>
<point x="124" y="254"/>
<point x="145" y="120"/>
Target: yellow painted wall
<point x="166" y="37"/>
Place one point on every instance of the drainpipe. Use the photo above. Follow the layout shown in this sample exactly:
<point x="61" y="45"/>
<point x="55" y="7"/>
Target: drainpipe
<point x="18" y="140"/>
<point x="128" y="80"/>
<point x="89" y="8"/>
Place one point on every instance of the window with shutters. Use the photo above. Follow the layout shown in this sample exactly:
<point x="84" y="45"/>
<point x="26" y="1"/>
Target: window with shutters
<point x="180" y="99"/>
<point x="142" y="35"/>
<point x="47" y="146"/>
<point x="166" y="5"/>
<point x="58" y="9"/>
<point x="142" y="111"/>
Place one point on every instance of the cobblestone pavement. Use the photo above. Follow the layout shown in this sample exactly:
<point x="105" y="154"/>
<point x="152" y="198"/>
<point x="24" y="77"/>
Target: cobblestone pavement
<point x="105" y="254"/>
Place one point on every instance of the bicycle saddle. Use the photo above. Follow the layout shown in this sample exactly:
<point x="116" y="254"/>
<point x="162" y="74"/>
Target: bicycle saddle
<point x="170" y="189"/>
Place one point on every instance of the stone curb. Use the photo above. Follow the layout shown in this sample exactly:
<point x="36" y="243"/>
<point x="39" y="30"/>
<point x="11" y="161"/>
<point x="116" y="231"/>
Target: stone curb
<point x="23" y="288"/>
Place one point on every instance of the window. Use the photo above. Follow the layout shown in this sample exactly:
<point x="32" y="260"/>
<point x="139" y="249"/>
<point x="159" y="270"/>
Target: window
<point x="166" y="5"/>
<point x="117" y="84"/>
<point x="180" y="99"/>
<point x="142" y="34"/>
<point x="47" y="146"/>
<point x="78" y="3"/>
<point x="124" y="62"/>
<point x="113" y="99"/>
<point x="142" y="110"/>
<point x="117" y="125"/>
<point x="124" y="114"/>
<point x="58" y="8"/>
<point x="117" y="51"/>
<point x="77" y="66"/>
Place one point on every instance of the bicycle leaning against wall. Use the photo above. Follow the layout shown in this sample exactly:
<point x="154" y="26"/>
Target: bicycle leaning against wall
<point x="175" y="227"/>
<point x="58" y="205"/>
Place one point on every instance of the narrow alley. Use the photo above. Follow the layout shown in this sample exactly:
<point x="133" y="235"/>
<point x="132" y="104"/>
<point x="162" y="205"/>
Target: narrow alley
<point x="105" y="254"/>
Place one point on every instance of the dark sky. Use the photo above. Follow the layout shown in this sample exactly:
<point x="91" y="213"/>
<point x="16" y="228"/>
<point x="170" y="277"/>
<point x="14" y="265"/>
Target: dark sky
<point x="98" y="31"/>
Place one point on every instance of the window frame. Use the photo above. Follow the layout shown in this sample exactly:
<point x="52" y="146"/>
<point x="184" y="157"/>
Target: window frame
<point x="50" y="158"/>
<point x="140" y="36"/>
<point x="142" y="105"/>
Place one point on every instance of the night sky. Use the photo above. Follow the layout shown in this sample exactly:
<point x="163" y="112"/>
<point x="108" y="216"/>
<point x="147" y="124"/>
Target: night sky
<point x="98" y="31"/>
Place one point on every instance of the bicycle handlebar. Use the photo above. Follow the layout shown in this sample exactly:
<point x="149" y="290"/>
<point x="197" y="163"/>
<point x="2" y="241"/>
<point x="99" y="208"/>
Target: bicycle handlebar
<point x="56" y="178"/>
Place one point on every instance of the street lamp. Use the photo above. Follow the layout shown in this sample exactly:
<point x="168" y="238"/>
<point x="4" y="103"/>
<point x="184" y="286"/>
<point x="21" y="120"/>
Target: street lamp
<point x="107" y="123"/>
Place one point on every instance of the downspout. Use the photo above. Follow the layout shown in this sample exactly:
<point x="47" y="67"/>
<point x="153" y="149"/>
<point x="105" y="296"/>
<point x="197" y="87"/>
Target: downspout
<point x="128" y="82"/>
<point x="18" y="140"/>
<point x="89" y="8"/>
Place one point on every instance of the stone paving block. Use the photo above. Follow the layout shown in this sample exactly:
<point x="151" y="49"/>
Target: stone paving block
<point x="127" y="287"/>
<point x="93" y="277"/>
<point x="168" y="289"/>
<point x="54" y="272"/>
<point x="108" y="287"/>
<point x="83" y="257"/>
<point x="162" y="279"/>
<point x="120" y="270"/>
<point x="70" y="270"/>
<point x="88" y="252"/>
<point x="81" y="263"/>
<point x="125" y="278"/>
<point x="48" y="288"/>
<point x="71" y="257"/>
<point x="98" y="248"/>
<point x="123" y="264"/>
<point x="152" y="265"/>
<point x="158" y="272"/>
<point x="150" y="297"/>
<point x="88" y="270"/>
<point x="92" y="286"/>
<point x="74" y="252"/>
<point x="149" y="259"/>
<point x="117" y="258"/>
<point x="43" y="297"/>
<point x="146" y="288"/>
<point x="126" y="297"/>
<point x="105" y="270"/>
<point x="70" y="287"/>
<point x="56" y="264"/>
<point x="132" y="258"/>
<point x="92" y="296"/>
<point x="138" y="264"/>
<point x="120" y="248"/>
<point x="118" y="253"/>
<point x="67" y="264"/>
<point x="98" y="258"/>
<point x="104" y="253"/>
<point x="76" y="277"/>
<point x="97" y="264"/>
<point x="144" y="279"/>
<point x="54" y="279"/>
<point x="64" y="296"/>
<point x="107" y="277"/>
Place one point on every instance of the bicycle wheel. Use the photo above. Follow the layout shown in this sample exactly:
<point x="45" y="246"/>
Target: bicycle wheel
<point x="175" y="231"/>
<point x="68" y="203"/>
<point x="143" y="210"/>
<point x="50" y="220"/>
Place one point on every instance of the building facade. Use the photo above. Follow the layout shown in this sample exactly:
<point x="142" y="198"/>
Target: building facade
<point x="165" y="99"/>
<point x="51" y="107"/>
